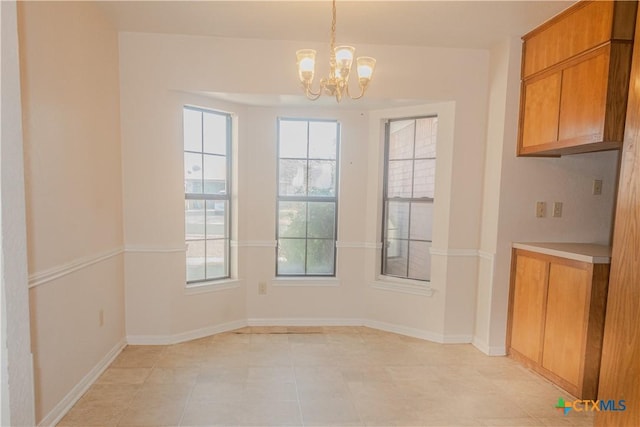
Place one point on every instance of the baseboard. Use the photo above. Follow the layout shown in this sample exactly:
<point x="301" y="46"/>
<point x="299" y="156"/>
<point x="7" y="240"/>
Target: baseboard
<point x="304" y="321"/>
<point x="418" y="333"/>
<point x="60" y="410"/>
<point x="185" y="336"/>
<point x="487" y="349"/>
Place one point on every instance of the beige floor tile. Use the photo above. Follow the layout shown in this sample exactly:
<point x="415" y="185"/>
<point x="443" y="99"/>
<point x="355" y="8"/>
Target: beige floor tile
<point x="509" y="422"/>
<point x="178" y="375"/>
<point x="329" y="411"/>
<point x="232" y="374"/>
<point x="204" y="413"/>
<point x="261" y="413"/>
<point x="153" y="413"/>
<point x="94" y="413"/>
<point x="271" y="373"/>
<point x="124" y="376"/>
<point x="138" y="356"/>
<point x="270" y="391"/>
<point x="317" y="376"/>
<point x="217" y="391"/>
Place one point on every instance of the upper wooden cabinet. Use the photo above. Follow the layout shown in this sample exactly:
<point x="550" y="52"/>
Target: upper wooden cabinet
<point x="575" y="80"/>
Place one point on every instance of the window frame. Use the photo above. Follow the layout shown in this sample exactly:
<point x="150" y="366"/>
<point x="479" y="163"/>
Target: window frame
<point x="307" y="199"/>
<point x="386" y="199"/>
<point x="205" y="197"/>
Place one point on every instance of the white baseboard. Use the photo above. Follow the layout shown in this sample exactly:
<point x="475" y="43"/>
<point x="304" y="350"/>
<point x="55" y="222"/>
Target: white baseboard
<point x="304" y="321"/>
<point x="185" y="336"/>
<point x="487" y="349"/>
<point x="418" y="333"/>
<point x="60" y="410"/>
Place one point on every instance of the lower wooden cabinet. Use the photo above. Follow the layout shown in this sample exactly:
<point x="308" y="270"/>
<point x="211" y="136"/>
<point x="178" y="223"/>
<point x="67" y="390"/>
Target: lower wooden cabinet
<point x="556" y="319"/>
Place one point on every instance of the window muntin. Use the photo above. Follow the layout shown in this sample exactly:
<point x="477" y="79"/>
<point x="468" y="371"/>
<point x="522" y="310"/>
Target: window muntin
<point x="207" y="187"/>
<point x="307" y="197"/>
<point x="408" y="194"/>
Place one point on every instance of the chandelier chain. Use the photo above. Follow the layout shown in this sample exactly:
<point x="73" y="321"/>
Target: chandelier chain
<point x="332" y="55"/>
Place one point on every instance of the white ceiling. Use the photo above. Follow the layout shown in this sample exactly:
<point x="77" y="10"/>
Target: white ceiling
<point x="461" y="24"/>
<point x="474" y="24"/>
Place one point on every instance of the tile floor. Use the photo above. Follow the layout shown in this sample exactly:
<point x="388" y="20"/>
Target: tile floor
<point x="347" y="376"/>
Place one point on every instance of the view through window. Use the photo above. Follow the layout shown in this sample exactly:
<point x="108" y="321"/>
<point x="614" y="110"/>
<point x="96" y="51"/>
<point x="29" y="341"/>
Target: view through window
<point x="410" y="161"/>
<point x="307" y="197"/>
<point x="207" y="168"/>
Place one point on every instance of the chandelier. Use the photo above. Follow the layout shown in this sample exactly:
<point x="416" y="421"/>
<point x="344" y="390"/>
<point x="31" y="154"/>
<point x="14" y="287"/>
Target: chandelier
<point x="340" y="61"/>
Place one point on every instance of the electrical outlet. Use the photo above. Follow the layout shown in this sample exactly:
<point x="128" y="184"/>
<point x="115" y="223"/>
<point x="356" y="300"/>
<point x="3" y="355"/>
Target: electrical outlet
<point x="557" y="209"/>
<point x="262" y="288"/>
<point x="101" y="318"/>
<point x="541" y="209"/>
<point x="597" y="187"/>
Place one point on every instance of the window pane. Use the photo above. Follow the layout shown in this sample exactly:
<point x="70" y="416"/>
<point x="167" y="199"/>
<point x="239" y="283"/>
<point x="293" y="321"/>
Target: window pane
<point x="321" y="219"/>
<point x="425" y="178"/>
<point x="292" y="219"/>
<point x="216" y="219"/>
<point x="194" y="219"/>
<point x="398" y="220"/>
<point x="396" y="257"/>
<point x="421" y="221"/>
<point x="216" y="254"/>
<point x="419" y="260"/>
<point x="195" y="260"/>
<point x="322" y="140"/>
<point x="293" y="177"/>
<point x="426" y="137"/>
<point x="291" y="256"/>
<point x="322" y="178"/>
<point x="192" y="173"/>
<point x="192" y="129"/>
<point x="293" y="139"/>
<point x="401" y="134"/>
<point x="320" y="256"/>
<point x="215" y="133"/>
<point x="400" y="178"/>
<point x="215" y="174"/>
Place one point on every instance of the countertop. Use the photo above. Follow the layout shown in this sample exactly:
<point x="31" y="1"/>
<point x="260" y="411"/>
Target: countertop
<point x="586" y="252"/>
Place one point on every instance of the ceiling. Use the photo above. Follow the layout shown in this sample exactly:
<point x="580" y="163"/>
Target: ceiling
<point x="471" y="24"/>
<point x="460" y="24"/>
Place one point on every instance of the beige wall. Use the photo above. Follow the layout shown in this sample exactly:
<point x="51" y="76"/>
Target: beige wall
<point x="16" y="365"/>
<point x="70" y="93"/>
<point x="159" y="73"/>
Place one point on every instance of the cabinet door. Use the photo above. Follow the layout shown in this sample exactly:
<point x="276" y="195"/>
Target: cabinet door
<point x="529" y="295"/>
<point x="564" y="331"/>
<point x="583" y="100"/>
<point x="541" y="111"/>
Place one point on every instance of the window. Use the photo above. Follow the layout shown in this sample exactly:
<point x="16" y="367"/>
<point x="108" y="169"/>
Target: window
<point x="410" y="161"/>
<point x="207" y="189"/>
<point x="307" y="197"/>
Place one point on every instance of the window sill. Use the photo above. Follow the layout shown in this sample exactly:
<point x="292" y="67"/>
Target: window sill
<point x="305" y="282"/>
<point x="212" y="286"/>
<point x="404" y="286"/>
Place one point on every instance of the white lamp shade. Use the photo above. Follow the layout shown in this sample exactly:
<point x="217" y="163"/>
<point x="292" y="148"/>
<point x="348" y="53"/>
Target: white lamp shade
<point x="344" y="60"/>
<point x="366" y="66"/>
<point x="306" y="64"/>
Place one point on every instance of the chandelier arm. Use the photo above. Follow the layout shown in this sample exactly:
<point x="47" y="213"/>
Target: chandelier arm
<point x="363" y="89"/>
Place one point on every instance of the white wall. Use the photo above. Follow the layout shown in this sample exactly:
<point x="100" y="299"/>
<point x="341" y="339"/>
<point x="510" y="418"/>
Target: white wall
<point x="69" y="66"/>
<point x="158" y="73"/>
<point x="16" y="372"/>
<point x="513" y="185"/>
